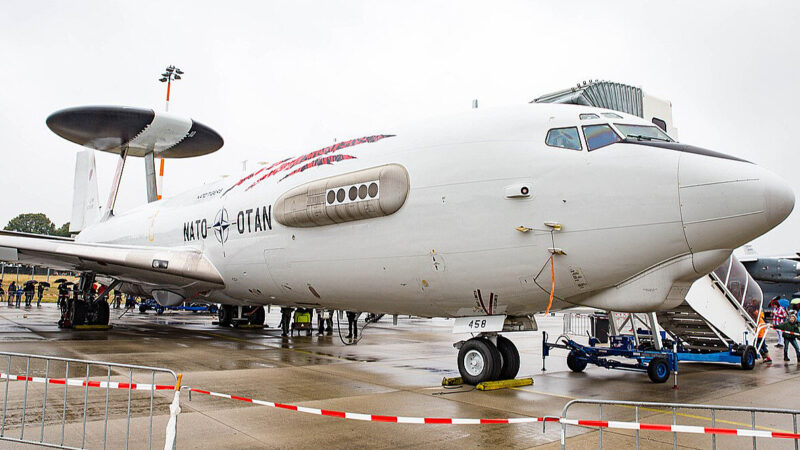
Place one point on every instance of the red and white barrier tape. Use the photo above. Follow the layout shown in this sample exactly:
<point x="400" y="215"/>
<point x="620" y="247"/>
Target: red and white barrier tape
<point x="786" y="332"/>
<point x="378" y="418"/>
<point x="680" y="428"/>
<point x="83" y="382"/>
<point x="454" y="421"/>
<point x="419" y="420"/>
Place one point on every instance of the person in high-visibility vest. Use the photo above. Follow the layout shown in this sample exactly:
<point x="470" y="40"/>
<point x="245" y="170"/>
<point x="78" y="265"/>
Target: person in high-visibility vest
<point x="762" y="330"/>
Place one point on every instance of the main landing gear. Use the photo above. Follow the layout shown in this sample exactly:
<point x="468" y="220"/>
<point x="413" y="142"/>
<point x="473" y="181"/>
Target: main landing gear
<point x="248" y="315"/>
<point x="85" y="307"/>
<point x="488" y="357"/>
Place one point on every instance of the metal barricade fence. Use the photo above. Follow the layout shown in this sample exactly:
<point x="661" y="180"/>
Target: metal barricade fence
<point x="577" y="324"/>
<point x="719" y="414"/>
<point x="73" y="403"/>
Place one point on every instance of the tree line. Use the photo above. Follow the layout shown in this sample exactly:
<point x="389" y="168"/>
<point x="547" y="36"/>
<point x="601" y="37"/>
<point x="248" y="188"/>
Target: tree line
<point x="36" y="223"/>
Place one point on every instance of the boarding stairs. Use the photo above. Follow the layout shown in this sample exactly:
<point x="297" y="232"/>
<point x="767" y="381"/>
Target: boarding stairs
<point x="711" y="318"/>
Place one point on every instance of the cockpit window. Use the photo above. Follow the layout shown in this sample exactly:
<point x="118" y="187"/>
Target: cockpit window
<point x="587" y="116"/>
<point x="564" y="138"/>
<point x="599" y="136"/>
<point x="642" y="132"/>
<point x="612" y="115"/>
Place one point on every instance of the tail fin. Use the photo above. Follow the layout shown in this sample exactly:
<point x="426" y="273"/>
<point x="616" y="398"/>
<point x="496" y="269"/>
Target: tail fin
<point x="85" y="197"/>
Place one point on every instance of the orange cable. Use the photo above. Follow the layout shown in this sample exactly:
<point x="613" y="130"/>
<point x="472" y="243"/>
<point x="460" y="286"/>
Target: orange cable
<point x="552" y="285"/>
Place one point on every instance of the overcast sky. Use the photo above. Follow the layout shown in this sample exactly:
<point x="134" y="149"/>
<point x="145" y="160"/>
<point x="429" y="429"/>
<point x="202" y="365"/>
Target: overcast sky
<point x="281" y="78"/>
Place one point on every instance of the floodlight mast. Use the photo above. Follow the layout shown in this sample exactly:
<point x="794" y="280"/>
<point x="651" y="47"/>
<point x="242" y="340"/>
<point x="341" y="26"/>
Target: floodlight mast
<point x="170" y="73"/>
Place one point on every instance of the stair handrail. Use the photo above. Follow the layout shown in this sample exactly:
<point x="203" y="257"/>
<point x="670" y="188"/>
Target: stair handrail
<point x="752" y="324"/>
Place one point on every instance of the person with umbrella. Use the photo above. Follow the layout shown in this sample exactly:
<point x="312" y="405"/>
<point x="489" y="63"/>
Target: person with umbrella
<point x="12" y="291"/>
<point x="40" y="292"/>
<point x="2" y="292"/>
<point x="30" y="290"/>
<point x="795" y="305"/>
<point x="779" y="316"/>
<point x="63" y="294"/>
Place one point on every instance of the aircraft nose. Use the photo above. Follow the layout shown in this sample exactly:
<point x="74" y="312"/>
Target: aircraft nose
<point x="726" y="203"/>
<point x="779" y="199"/>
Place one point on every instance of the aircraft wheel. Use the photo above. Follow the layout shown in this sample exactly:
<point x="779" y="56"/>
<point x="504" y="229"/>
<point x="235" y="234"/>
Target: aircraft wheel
<point x="749" y="358"/>
<point x="103" y="313"/>
<point x="510" y="357"/>
<point x="142" y="309"/>
<point x="78" y="313"/>
<point x="258" y="316"/>
<point x="658" y="370"/>
<point x="478" y="361"/>
<point x="574" y="362"/>
<point x="225" y="315"/>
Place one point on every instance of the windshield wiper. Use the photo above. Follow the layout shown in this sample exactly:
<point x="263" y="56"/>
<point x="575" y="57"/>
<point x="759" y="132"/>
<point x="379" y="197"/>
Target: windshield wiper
<point x="647" y="138"/>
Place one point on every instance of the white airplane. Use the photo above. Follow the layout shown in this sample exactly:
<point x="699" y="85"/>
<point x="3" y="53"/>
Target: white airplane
<point x="488" y="216"/>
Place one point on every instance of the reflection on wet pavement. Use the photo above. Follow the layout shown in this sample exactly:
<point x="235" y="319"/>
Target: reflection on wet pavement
<point x="393" y="370"/>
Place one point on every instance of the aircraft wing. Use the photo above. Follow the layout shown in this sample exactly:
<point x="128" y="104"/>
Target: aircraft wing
<point x="176" y="267"/>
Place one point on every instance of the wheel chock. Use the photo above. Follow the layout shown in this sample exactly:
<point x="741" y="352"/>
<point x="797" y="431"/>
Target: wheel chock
<point x="247" y="325"/>
<point x="503" y="384"/>
<point x="452" y="381"/>
<point x="92" y="327"/>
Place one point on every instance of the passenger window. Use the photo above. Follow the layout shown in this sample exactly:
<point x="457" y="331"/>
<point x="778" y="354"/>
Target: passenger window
<point x="599" y="136"/>
<point x="564" y="138"/>
<point x="587" y="116"/>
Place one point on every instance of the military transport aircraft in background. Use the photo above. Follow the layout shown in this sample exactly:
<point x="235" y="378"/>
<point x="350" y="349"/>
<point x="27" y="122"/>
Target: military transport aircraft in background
<point x="466" y="216"/>
<point x="778" y="276"/>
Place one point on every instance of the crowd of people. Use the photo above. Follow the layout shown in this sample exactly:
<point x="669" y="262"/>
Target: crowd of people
<point x="28" y="290"/>
<point x="300" y="319"/>
<point x="786" y="325"/>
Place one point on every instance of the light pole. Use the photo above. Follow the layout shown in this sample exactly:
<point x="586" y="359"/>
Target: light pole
<point x="170" y="73"/>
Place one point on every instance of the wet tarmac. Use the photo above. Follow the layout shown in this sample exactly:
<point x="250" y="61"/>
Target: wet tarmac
<point x="394" y="370"/>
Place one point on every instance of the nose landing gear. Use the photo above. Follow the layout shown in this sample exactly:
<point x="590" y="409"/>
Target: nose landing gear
<point x="488" y="357"/>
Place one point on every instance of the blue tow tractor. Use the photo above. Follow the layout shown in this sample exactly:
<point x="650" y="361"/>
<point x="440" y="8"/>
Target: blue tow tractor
<point x="149" y="303"/>
<point x="657" y="363"/>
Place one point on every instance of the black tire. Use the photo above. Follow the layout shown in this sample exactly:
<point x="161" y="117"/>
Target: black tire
<point x="510" y="357"/>
<point x="225" y="315"/>
<point x="159" y="310"/>
<point x="749" y="358"/>
<point x="477" y="361"/>
<point x="258" y="316"/>
<point x="78" y="313"/>
<point x="142" y="309"/>
<point x="103" y="313"/>
<point x="575" y="363"/>
<point x="658" y="370"/>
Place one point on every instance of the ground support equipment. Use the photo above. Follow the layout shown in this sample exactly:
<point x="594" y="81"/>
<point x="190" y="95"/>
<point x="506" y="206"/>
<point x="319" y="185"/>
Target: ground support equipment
<point x="656" y="363"/>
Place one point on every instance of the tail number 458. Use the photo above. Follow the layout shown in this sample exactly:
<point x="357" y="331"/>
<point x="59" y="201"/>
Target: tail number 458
<point x="484" y="324"/>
